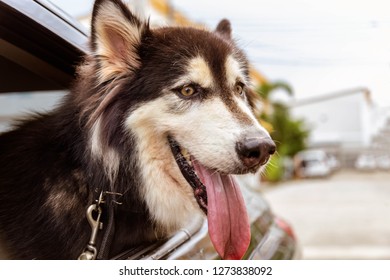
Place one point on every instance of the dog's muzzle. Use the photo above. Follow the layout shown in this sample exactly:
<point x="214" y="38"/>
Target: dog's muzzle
<point x="255" y="150"/>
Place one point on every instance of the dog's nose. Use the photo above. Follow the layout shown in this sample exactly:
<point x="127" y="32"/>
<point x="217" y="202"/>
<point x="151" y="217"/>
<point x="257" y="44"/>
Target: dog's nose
<point x="255" y="150"/>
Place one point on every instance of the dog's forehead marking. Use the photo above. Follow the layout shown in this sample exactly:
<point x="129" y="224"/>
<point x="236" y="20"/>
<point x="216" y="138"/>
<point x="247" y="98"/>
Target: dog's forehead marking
<point x="199" y="72"/>
<point x="233" y="71"/>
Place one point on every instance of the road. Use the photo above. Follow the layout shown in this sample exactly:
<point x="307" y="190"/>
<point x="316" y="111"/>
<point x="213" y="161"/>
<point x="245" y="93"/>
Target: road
<point x="346" y="216"/>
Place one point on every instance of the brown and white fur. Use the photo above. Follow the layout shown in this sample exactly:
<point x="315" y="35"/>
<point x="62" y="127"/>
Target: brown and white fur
<point x="112" y="131"/>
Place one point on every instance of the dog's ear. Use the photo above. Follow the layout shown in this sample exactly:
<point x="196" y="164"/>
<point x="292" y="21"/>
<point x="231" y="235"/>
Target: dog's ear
<point x="116" y="38"/>
<point x="224" y="29"/>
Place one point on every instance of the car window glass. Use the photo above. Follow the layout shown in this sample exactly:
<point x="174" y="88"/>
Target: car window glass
<point x="15" y="106"/>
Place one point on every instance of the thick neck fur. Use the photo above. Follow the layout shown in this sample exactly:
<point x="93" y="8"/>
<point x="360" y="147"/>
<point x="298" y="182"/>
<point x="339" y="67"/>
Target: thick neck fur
<point x="54" y="160"/>
<point x="111" y="156"/>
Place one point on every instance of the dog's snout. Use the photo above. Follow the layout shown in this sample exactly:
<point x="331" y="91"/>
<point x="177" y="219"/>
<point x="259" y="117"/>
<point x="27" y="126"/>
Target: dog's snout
<point x="255" y="150"/>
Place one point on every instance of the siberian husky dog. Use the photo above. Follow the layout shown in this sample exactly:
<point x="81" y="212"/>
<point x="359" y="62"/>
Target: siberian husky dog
<point x="155" y="125"/>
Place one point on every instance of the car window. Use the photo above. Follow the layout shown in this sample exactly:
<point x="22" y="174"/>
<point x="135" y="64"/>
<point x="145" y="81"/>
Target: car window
<point x="38" y="54"/>
<point x="16" y="105"/>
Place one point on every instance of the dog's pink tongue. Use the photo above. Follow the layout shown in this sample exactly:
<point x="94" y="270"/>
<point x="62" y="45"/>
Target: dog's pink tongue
<point x="226" y="214"/>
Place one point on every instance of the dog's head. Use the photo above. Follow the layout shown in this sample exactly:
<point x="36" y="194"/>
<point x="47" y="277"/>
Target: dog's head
<point x="183" y="96"/>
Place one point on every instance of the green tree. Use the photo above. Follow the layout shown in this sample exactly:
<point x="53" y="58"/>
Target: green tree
<point x="266" y="90"/>
<point x="289" y="134"/>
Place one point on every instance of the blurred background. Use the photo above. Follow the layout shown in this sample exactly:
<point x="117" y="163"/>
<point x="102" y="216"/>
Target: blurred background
<point x="322" y="70"/>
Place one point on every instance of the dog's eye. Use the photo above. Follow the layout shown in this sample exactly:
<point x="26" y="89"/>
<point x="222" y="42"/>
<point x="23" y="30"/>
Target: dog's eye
<point x="187" y="91"/>
<point x="239" y="88"/>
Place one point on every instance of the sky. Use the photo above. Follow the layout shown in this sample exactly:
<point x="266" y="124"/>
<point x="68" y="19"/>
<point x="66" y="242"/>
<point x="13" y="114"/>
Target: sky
<point x="318" y="47"/>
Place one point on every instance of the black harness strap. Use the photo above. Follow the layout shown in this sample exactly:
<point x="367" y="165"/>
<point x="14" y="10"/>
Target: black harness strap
<point x="105" y="246"/>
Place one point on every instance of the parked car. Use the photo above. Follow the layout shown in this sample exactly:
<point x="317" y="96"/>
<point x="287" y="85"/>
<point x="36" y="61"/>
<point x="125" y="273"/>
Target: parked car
<point x="383" y="162"/>
<point x="39" y="49"/>
<point x="333" y="163"/>
<point x="366" y="162"/>
<point x="314" y="163"/>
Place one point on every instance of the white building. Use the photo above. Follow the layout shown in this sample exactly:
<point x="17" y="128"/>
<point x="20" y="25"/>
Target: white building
<point x="343" y="123"/>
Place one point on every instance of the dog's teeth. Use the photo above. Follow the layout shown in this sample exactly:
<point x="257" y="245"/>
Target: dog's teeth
<point x="186" y="155"/>
<point x="183" y="151"/>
